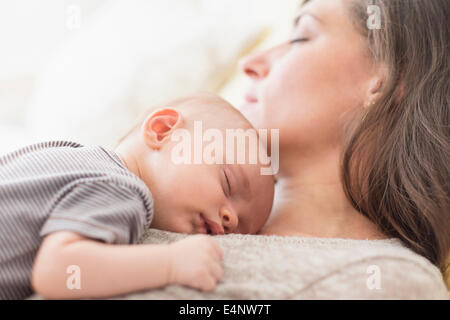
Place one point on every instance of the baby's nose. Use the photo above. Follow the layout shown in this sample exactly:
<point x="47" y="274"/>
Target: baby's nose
<point x="229" y="220"/>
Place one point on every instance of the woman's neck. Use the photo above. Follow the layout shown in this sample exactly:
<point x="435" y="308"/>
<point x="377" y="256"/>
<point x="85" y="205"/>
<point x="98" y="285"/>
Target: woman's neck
<point x="310" y="202"/>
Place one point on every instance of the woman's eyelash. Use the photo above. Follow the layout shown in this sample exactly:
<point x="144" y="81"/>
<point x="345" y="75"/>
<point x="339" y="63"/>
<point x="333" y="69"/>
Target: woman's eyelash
<point x="298" y="40"/>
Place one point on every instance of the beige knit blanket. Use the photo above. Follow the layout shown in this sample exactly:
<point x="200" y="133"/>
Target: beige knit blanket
<point x="272" y="267"/>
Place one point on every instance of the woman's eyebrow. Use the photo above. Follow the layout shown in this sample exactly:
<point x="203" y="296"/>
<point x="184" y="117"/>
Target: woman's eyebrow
<point x="301" y="15"/>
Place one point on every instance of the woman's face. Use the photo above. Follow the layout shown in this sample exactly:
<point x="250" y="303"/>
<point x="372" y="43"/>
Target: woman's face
<point x="303" y="87"/>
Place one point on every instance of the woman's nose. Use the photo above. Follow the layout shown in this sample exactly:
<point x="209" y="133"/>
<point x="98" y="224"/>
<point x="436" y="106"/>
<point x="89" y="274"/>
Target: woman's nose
<point x="255" y="65"/>
<point x="229" y="220"/>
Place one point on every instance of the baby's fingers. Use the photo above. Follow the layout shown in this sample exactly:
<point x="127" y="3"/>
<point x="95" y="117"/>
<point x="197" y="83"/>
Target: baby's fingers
<point x="217" y="271"/>
<point x="217" y="250"/>
<point x="209" y="283"/>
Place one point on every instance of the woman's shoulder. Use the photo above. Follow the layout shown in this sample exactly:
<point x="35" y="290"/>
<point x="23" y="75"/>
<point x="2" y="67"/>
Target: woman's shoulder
<point x="388" y="269"/>
<point x="320" y="268"/>
<point x="384" y="269"/>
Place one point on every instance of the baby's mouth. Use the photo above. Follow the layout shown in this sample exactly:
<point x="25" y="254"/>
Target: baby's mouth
<point x="211" y="227"/>
<point x="206" y="228"/>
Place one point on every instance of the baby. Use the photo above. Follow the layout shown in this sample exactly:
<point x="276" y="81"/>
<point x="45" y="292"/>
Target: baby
<point x="69" y="211"/>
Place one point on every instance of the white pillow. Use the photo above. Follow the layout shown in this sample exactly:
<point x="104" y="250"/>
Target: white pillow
<point x="135" y="54"/>
<point x="29" y="31"/>
<point x="14" y="137"/>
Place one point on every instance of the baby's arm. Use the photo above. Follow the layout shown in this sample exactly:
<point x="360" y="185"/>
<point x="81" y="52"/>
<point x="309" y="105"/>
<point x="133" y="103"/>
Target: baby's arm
<point x="109" y="270"/>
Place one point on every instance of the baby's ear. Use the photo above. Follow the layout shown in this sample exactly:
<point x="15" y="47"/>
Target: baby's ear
<point x="159" y="125"/>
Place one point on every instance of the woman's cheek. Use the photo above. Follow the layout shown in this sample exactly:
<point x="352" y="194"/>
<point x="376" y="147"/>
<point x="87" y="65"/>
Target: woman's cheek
<point x="281" y="102"/>
<point x="292" y="107"/>
<point x="255" y="113"/>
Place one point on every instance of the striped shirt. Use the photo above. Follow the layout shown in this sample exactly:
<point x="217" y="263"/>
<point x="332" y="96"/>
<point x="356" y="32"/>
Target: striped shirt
<point x="56" y="186"/>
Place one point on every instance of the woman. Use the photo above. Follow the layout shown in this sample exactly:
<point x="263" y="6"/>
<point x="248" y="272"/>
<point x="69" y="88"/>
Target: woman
<point x="364" y="154"/>
<point x="364" y="119"/>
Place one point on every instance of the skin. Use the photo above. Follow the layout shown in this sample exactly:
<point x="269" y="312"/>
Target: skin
<point x="187" y="199"/>
<point x="304" y="89"/>
<point x="233" y="198"/>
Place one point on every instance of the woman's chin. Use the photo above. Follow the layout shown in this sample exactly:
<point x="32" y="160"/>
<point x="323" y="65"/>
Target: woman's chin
<point x="252" y="113"/>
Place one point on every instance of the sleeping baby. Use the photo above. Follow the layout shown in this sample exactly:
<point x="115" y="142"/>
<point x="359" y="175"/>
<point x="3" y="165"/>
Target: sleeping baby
<point x="70" y="214"/>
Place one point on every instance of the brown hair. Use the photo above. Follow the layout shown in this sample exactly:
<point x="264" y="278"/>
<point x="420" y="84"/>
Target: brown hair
<point x="396" y="161"/>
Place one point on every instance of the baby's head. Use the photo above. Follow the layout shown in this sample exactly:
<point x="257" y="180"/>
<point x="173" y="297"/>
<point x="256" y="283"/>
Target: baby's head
<point x="207" y="195"/>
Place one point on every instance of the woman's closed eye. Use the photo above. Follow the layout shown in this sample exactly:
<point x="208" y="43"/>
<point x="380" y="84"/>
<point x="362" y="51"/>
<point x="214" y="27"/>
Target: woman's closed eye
<point x="297" y="40"/>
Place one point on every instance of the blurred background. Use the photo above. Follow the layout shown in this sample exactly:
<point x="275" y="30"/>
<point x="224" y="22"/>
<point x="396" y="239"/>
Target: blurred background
<point x="83" y="70"/>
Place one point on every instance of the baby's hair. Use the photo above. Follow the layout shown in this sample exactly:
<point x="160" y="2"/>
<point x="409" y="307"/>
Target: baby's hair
<point x="197" y="107"/>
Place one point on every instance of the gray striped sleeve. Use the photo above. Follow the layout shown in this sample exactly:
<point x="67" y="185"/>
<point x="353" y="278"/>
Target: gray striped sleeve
<point x="56" y="186"/>
<point x="99" y="210"/>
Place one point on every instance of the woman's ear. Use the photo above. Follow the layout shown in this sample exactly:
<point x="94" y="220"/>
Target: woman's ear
<point x="159" y="125"/>
<point x="375" y="87"/>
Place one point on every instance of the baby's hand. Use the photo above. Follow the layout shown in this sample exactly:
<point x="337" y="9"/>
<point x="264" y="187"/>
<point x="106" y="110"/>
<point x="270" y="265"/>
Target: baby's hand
<point x="196" y="262"/>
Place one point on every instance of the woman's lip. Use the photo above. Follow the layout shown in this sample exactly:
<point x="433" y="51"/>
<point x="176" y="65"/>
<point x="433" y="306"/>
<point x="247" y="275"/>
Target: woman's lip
<point x="250" y="98"/>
